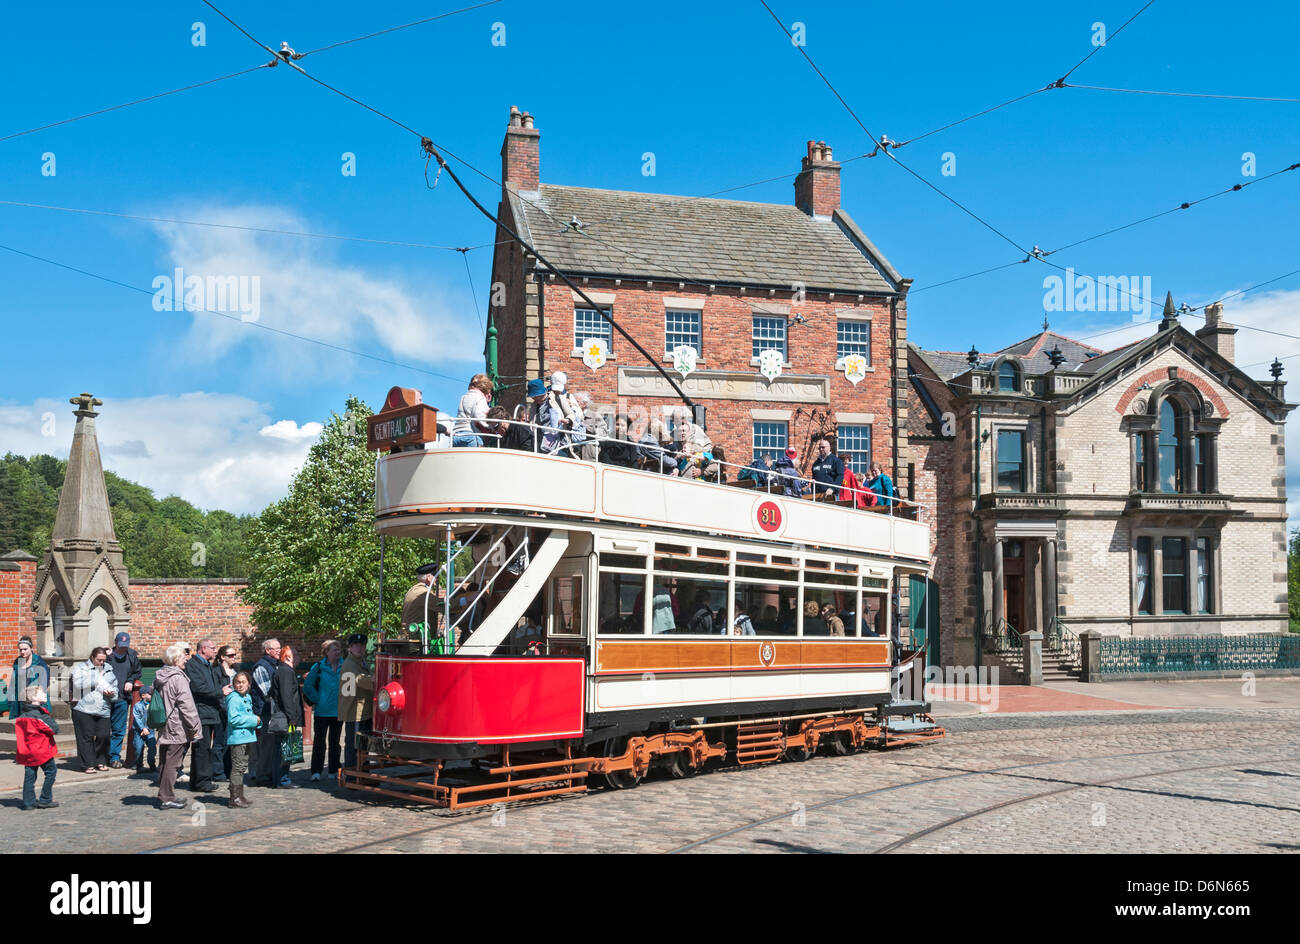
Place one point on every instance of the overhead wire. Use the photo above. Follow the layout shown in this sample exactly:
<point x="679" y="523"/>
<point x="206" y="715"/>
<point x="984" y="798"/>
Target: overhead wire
<point x="394" y="29"/>
<point x="138" y="101"/>
<point x="430" y="148"/>
<point x="1237" y="98"/>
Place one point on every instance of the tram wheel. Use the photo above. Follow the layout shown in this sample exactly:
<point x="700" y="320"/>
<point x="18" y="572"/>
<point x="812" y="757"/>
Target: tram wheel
<point x="619" y="779"/>
<point x="678" y="768"/>
<point x="842" y="744"/>
<point x="799" y="753"/>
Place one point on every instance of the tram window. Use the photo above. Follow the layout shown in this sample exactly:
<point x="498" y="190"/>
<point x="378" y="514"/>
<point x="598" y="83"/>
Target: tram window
<point x="566" y="606"/>
<point x="843" y="602"/>
<point x="771" y="610"/>
<point x="751" y="558"/>
<point x="839" y="580"/>
<point x="847" y="568"/>
<point x="632" y="561"/>
<point x="766" y="573"/>
<point x="677" y="549"/>
<point x="873" y="608"/>
<point x="713" y="552"/>
<point x="689" y="606"/>
<point x="621" y="603"/>
<point x="686" y="565"/>
<point x="783" y="561"/>
<point x="811" y="564"/>
<point x="877" y="583"/>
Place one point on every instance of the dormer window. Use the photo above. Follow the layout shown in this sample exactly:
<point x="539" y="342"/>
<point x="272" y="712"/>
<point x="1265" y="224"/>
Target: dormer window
<point x="1009" y="378"/>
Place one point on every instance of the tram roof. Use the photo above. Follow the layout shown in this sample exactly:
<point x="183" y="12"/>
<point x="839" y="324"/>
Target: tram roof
<point x="415" y="490"/>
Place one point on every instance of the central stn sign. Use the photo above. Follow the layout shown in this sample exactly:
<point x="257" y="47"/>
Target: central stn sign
<point x="408" y="426"/>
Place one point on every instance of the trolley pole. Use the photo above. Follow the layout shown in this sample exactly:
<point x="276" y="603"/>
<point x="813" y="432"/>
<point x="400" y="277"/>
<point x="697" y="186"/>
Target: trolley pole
<point x="446" y="603"/>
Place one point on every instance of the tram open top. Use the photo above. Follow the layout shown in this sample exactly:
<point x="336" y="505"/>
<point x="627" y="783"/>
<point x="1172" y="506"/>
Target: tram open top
<point x="417" y="489"/>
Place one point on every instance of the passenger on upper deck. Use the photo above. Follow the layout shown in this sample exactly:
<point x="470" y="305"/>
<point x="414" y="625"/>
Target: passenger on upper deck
<point x="472" y="412"/>
<point x="787" y="475"/>
<point x="565" y="422"/>
<point x="833" y="623"/>
<point x="760" y="471"/>
<point x="621" y="450"/>
<point x="521" y="436"/>
<point x="827" y="469"/>
<point x="688" y="437"/>
<point x="595" y="424"/>
<point x="881" y="484"/>
<point x="494" y="428"/>
<point x="813" y="624"/>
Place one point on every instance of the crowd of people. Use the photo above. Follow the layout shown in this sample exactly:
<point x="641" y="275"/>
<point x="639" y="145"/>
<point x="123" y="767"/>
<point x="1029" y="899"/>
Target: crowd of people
<point x="232" y="724"/>
<point x="557" y="421"/>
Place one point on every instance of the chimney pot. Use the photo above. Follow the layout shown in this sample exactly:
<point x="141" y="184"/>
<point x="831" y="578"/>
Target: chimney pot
<point x="528" y="120"/>
<point x="817" y="188"/>
<point x="521" y="152"/>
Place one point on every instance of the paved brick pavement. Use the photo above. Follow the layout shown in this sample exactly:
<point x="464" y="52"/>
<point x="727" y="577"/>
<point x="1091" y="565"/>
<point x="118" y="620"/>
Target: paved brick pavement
<point x="1150" y="781"/>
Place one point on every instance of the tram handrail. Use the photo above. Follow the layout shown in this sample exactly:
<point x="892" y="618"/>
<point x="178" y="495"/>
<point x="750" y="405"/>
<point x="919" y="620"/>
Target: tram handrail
<point x="776" y="480"/>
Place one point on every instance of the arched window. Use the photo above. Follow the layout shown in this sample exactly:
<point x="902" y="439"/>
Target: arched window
<point x="1169" y="448"/>
<point x="1009" y="377"/>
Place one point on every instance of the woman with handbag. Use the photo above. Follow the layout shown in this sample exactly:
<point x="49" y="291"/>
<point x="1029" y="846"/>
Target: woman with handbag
<point x="282" y="710"/>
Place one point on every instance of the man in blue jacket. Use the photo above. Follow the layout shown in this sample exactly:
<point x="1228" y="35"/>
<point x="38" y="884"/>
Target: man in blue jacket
<point x="125" y="663"/>
<point x="827" y="469"/>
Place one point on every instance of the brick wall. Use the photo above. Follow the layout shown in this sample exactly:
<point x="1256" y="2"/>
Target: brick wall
<point x="726" y="345"/>
<point x="168" y="611"/>
<point x="17" y="584"/>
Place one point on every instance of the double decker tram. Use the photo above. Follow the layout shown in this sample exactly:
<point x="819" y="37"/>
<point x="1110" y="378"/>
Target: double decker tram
<point x="607" y="622"/>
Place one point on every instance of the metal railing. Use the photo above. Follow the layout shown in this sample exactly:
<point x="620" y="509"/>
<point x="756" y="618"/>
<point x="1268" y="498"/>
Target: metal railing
<point x="1003" y="640"/>
<point x="667" y="459"/>
<point x="1139" y="655"/>
<point x="1059" y="638"/>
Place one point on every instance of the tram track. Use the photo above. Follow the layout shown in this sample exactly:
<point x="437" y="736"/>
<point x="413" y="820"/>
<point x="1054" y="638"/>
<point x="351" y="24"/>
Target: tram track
<point x="534" y="808"/>
<point x="929" y="830"/>
<point x="724" y="834"/>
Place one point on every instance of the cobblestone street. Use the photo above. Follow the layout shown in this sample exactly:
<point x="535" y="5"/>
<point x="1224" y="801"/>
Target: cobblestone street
<point x="1114" y="781"/>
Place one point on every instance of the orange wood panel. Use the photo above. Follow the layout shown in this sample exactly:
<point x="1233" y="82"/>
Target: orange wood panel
<point x="666" y="655"/>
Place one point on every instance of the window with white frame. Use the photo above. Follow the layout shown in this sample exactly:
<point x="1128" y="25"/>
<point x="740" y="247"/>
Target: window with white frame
<point x="683" y="328"/>
<point x="852" y="337"/>
<point x="770" y="438"/>
<point x="769" y="333"/>
<point x="1173" y="574"/>
<point x="854" y="446"/>
<point x="588" y="324"/>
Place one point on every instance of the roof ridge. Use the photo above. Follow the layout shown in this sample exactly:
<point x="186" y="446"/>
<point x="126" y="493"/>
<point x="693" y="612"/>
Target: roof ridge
<point x="676" y="197"/>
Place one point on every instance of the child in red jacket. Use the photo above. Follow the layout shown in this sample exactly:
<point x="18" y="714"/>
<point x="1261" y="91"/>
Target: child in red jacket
<point x="34" y="730"/>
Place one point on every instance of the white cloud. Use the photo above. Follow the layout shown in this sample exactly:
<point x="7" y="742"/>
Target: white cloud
<point x="301" y="288"/>
<point x="214" y="450"/>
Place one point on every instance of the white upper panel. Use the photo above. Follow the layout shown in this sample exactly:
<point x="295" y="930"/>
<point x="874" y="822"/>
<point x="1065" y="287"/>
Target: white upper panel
<point x="463" y="480"/>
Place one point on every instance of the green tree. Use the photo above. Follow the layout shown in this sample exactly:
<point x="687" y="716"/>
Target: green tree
<point x="314" y="555"/>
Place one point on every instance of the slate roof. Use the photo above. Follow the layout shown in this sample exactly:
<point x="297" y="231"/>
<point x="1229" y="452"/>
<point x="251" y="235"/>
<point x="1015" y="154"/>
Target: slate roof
<point x="1032" y="352"/>
<point x="646" y="235"/>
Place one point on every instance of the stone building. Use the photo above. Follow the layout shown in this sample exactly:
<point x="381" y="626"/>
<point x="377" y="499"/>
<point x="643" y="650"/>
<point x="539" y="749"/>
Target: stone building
<point x="727" y="278"/>
<point x="1138" y="491"/>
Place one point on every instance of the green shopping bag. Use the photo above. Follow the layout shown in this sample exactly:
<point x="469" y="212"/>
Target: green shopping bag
<point x="291" y="746"/>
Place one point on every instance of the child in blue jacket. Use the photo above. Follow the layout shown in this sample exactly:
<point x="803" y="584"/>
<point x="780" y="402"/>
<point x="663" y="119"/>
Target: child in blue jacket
<point x="241" y="731"/>
<point x="143" y="736"/>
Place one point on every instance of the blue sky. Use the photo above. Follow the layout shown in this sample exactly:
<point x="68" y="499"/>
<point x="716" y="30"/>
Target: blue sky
<point x="715" y="91"/>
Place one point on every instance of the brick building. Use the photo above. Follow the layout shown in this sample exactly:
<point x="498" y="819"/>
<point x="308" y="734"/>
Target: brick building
<point x="1140" y="491"/>
<point x="729" y="279"/>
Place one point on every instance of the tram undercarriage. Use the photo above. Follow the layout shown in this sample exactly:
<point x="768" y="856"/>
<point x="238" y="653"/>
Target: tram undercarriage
<point x="509" y="773"/>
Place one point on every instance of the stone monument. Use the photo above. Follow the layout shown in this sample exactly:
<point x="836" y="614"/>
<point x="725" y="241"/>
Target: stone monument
<point x="82" y="599"/>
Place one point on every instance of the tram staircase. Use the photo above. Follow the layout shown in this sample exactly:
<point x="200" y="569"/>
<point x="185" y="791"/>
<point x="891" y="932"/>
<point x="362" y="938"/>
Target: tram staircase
<point x="1060" y="654"/>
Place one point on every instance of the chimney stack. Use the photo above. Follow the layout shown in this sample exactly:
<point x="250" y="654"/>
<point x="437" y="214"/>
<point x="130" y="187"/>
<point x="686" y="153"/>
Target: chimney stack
<point x="1217" y="333"/>
<point x="817" y="188"/>
<point x="521" y="152"/>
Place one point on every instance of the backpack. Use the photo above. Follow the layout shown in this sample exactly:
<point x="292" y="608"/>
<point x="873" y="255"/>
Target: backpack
<point x="157" y="714"/>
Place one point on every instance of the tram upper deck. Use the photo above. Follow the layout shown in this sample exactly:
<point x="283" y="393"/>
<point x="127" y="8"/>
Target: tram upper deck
<point x="414" y="490"/>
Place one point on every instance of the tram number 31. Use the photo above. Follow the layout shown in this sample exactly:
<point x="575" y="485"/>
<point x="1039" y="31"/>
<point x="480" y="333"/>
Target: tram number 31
<point x="769" y="516"/>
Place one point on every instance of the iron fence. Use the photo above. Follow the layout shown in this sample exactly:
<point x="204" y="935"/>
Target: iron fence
<point x="1134" y="655"/>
